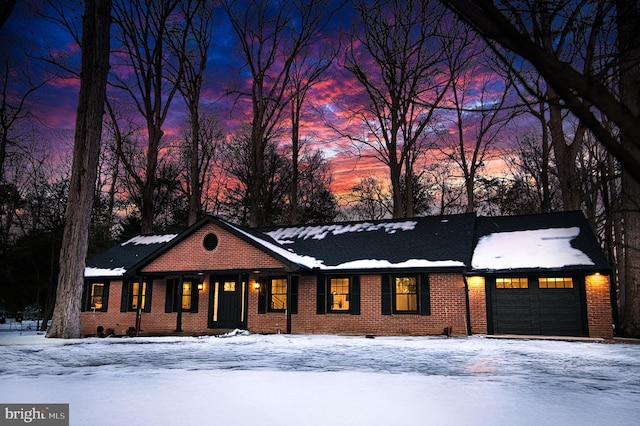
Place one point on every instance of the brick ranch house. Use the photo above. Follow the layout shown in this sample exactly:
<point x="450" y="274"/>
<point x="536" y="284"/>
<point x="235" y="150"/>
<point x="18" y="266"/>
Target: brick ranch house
<point x="458" y="274"/>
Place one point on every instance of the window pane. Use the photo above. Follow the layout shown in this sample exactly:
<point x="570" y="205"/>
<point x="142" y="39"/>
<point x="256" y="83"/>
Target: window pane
<point x="406" y="294"/>
<point x="512" y="283"/>
<point x="229" y="286"/>
<point x="565" y="282"/>
<point x="339" y="290"/>
<point x="186" y="295"/>
<point x="135" y="290"/>
<point x="97" y="291"/>
<point x="279" y="294"/>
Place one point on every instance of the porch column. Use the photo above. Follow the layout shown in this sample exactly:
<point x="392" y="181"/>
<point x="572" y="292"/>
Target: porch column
<point x="179" y="316"/>
<point x="288" y="306"/>
<point x="139" y="307"/>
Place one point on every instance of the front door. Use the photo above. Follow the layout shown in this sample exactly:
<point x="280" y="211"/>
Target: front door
<point x="228" y="300"/>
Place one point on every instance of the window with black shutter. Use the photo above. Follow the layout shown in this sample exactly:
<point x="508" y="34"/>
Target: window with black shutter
<point x="136" y="296"/>
<point x="183" y="298"/>
<point x="96" y="296"/>
<point x="406" y="294"/>
<point x="338" y="294"/>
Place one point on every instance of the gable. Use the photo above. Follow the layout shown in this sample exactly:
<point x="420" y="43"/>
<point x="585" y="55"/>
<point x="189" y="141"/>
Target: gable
<point x="228" y="253"/>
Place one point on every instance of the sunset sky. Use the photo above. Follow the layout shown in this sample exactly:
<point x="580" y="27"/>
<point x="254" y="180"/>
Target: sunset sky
<point x="54" y="105"/>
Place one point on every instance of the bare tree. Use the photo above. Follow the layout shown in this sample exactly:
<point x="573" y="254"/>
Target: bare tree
<point x="479" y="100"/>
<point x="93" y="81"/>
<point x="607" y="109"/>
<point x="628" y="21"/>
<point x="307" y="70"/>
<point x="532" y="170"/>
<point x="199" y="17"/>
<point x="396" y="58"/>
<point x="272" y="36"/>
<point x="202" y="168"/>
<point x="149" y="75"/>
<point x="581" y="94"/>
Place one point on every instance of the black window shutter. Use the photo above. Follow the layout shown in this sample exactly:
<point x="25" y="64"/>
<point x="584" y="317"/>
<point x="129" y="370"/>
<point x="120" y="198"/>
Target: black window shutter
<point x="194" y="296"/>
<point x="294" y="294"/>
<point x="147" y="297"/>
<point x="262" y="297"/>
<point x="321" y="298"/>
<point x="85" y="302"/>
<point x="105" y="297"/>
<point x="124" y="300"/>
<point x="168" y="304"/>
<point x="386" y="295"/>
<point x="354" y="295"/>
<point x="425" y="295"/>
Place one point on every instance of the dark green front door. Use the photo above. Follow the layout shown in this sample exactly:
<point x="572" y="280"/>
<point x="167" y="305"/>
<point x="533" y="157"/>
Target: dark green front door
<point x="227" y="294"/>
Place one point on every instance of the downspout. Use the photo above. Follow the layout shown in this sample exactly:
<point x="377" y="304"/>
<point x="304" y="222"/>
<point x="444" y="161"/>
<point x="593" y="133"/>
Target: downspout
<point x="467" y="304"/>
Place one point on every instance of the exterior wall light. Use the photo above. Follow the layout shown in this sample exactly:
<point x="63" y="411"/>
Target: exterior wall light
<point x="475" y="281"/>
<point x="201" y="286"/>
<point x="256" y="285"/>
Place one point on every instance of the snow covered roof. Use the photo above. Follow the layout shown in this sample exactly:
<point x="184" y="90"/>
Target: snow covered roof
<point x="536" y="242"/>
<point x="120" y="259"/>
<point x="456" y="242"/>
<point x="432" y="242"/>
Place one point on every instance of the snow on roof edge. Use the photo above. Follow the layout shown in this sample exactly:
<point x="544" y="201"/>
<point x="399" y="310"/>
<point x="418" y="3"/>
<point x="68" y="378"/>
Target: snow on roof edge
<point x="91" y="272"/>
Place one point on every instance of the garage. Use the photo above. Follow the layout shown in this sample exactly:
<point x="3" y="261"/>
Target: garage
<point x="537" y="306"/>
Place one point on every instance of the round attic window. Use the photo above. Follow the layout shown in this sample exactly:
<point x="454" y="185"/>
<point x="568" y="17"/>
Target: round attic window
<point x="210" y="242"/>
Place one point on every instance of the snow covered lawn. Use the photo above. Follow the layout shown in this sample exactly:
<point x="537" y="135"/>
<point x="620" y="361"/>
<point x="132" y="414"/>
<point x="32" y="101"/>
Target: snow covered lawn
<point x="324" y="380"/>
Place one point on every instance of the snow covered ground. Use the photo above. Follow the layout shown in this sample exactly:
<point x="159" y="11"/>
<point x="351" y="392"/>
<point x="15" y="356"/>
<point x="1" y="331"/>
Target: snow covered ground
<point x="318" y="380"/>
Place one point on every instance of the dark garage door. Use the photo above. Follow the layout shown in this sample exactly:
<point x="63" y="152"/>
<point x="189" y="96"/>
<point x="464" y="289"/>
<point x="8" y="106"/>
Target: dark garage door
<point x="537" y="306"/>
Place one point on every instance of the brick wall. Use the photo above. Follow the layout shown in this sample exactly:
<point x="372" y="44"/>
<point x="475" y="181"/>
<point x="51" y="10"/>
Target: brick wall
<point x="599" y="306"/>
<point x="231" y="253"/>
<point x="477" y="304"/>
<point x="447" y="310"/>
<point x="154" y="322"/>
<point x="118" y="321"/>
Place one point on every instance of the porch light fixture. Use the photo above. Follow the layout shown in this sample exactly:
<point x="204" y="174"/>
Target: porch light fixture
<point x="201" y="286"/>
<point x="256" y="285"/>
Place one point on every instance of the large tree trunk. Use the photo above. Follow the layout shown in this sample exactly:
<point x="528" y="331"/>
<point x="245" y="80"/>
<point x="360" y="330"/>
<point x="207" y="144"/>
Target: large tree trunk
<point x="195" y="203"/>
<point x="93" y="82"/>
<point x="565" y="155"/>
<point x="629" y="50"/>
<point x="148" y="208"/>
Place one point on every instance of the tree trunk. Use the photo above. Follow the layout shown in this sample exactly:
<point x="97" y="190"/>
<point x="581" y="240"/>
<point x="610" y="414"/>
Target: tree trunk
<point x="565" y="155"/>
<point x="93" y="82"/>
<point x="195" y="203"/>
<point x="149" y="187"/>
<point x="629" y="51"/>
<point x="296" y="106"/>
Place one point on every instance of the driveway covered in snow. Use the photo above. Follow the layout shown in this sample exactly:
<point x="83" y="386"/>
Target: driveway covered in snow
<point x="319" y="380"/>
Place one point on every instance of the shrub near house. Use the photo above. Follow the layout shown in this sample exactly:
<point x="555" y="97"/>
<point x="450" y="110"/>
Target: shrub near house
<point x="459" y="274"/>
